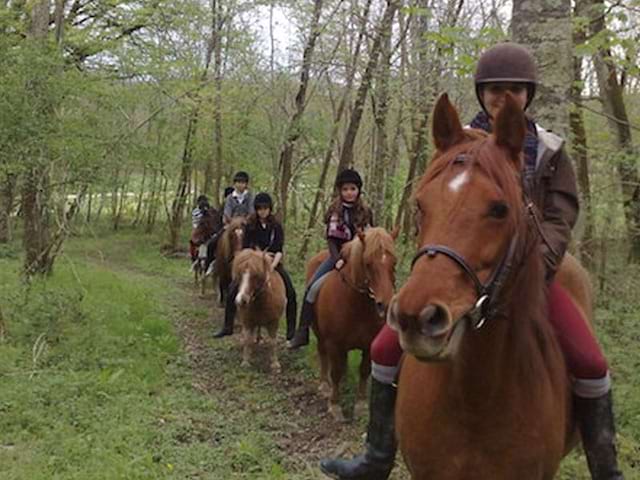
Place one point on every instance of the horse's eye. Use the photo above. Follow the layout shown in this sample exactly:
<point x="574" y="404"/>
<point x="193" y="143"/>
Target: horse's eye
<point x="498" y="210"/>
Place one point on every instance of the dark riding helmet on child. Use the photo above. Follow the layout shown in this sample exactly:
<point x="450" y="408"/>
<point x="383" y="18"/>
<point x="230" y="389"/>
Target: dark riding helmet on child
<point x="202" y="202"/>
<point x="349" y="175"/>
<point x="263" y="200"/>
<point x="506" y="63"/>
<point x="241" y="176"/>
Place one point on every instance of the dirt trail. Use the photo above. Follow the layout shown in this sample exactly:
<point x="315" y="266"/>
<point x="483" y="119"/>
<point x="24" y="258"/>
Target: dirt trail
<point x="307" y="433"/>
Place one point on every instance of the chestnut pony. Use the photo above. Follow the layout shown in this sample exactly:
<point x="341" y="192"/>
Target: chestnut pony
<point x="261" y="301"/>
<point x="350" y="310"/>
<point x="483" y="391"/>
<point x="228" y="245"/>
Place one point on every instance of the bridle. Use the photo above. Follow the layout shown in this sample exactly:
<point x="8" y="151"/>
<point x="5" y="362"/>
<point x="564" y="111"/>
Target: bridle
<point x="487" y="294"/>
<point x="366" y="289"/>
<point x="485" y="306"/>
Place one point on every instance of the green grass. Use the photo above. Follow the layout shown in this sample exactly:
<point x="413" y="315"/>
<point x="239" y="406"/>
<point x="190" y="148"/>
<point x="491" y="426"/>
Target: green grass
<point x="94" y="383"/>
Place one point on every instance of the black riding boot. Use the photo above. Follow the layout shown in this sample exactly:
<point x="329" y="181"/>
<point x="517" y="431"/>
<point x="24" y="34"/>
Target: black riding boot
<point x="301" y="337"/>
<point x="595" y="418"/>
<point x="229" y="313"/>
<point x="378" y="459"/>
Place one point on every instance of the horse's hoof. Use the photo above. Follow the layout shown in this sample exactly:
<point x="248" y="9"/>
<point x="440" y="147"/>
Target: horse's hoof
<point x="336" y="413"/>
<point x="359" y="409"/>
<point x="324" y="389"/>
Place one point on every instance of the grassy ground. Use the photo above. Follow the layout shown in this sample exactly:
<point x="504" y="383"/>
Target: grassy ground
<point x="109" y="371"/>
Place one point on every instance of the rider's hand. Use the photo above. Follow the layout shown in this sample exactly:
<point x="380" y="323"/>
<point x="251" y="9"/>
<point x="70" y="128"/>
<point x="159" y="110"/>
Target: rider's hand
<point x="339" y="264"/>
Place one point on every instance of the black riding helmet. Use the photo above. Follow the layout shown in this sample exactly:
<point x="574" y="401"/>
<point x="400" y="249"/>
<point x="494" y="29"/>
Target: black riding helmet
<point x="506" y="62"/>
<point x="202" y="202"/>
<point x="241" y="177"/>
<point x="263" y="199"/>
<point x="349" y="175"/>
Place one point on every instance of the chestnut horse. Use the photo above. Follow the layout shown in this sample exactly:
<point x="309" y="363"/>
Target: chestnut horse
<point x="229" y="244"/>
<point x="350" y="310"/>
<point x="208" y="226"/>
<point x="261" y="301"/>
<point x="483" y="390"/>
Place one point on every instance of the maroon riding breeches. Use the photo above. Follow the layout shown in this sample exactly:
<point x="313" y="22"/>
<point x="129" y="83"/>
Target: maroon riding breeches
<point x="583" y="355"/>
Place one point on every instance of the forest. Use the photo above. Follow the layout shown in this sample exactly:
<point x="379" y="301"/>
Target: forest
<point x="115" y="116"/>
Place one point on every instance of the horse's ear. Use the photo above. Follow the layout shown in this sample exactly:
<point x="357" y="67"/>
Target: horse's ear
<point x="447" y="129"/>
<point x="510" y="127"/>
<point x="395" y="233"/>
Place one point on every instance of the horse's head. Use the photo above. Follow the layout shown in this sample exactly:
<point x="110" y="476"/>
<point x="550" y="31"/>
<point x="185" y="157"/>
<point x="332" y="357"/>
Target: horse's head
<point x="371" y="264"/>
<point x="251" y="270"/>
<point x="232" y="241"/>
<point x="469" y="212"/>
<point x="207" y="226"/>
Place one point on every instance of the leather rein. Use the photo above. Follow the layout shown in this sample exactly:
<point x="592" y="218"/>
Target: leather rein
<point x="487" y="294"/>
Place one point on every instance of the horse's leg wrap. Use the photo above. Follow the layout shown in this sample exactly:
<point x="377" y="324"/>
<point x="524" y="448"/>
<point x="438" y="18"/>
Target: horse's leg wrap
<point x="379" y="457"/>
<point x="597" y="427"/>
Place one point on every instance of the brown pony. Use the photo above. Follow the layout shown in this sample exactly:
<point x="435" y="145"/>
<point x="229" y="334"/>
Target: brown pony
<point x="483" y="391"/>
<point x="261" y="300"/>
<point x="209" y="225"/>
<point x="350" y="310"/>
<point x="229" y="244"/>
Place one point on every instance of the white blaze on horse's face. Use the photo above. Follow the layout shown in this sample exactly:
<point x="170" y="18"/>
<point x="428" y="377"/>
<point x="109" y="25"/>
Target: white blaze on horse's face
<point x="242" y="298"/>
<point x="458" y="181"/>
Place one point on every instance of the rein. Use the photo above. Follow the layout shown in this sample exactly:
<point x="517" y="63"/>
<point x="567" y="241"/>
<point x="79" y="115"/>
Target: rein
<point x="364" y="290"/>
<point x="487" y="294"/>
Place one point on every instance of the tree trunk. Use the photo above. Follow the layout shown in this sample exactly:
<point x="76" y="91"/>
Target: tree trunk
<point x="545" y="27"/>
<point x="383" y="31"/>
<point x="7" y="201"/>
<point x="140" y="197"/>
<point x="182" y="190"/>
<point x="351" y="70"/>
<point x="295" y="124"/>
<point x="214" y="168"/>
<point x="175" y="215"/>
<point x="611" y="95"/>
<point x="35" y="186"/>
<point x="586" y="246"/>
<point x="381" y="157"/>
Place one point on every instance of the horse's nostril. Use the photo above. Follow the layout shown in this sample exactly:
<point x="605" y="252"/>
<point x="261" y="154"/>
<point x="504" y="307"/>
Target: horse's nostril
<point x="434" y="320"/>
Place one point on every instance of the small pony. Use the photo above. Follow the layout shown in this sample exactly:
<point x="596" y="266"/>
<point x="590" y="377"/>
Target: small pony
<point x="350" y="310"/>
<point x="229" y="244"/>
<point x="261" y="301"/>
<point x="483" y="390"/>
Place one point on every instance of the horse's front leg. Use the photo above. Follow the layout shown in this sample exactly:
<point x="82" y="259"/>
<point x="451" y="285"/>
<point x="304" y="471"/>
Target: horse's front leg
<point x="275" y="364"/>
<point x="324" y="389"/>
<point x="361" y="397"/>
<point x="338" y="365"/>
<point x="247" y="342"/>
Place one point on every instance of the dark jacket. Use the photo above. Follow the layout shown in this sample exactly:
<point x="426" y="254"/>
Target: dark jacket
<point x="269" y="237"/>
<point x="555" y="193"/>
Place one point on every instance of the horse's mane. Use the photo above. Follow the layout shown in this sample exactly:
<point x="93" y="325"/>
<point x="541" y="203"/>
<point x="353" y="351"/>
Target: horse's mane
<point x="378" y="242"/>
<point x="250" y="260"/>
<point x="226" y="242"/>
<point x="530" y="334"/>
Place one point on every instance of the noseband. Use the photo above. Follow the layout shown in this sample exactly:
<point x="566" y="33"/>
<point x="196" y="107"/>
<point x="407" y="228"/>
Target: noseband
<point x="486" y="293"/>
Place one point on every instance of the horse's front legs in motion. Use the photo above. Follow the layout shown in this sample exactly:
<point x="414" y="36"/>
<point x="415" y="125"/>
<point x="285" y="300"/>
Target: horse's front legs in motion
<point x="275" y="364"/>
<point x="361" y="398"/>
<point x="323" y="389"/>
<point x="338" y="365"/>
<point x="249" y="338"/>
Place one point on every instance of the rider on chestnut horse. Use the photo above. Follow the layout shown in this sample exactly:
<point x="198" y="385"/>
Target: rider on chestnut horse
<point x="550" y="182"/>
